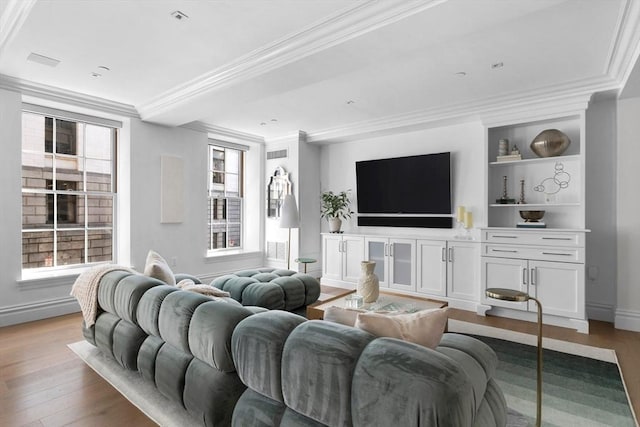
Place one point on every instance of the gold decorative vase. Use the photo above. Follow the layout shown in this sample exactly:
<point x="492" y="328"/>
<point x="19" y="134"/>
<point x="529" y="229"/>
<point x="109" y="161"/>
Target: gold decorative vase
<point x="550" y="143"/>
<point x="368" y="284"/>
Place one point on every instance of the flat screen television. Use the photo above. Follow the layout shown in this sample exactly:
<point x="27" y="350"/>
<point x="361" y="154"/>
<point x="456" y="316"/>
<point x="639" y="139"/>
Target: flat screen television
<point x="405" y="185"/>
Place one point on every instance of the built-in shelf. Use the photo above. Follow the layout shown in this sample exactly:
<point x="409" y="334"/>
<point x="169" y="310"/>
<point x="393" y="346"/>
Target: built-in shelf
<point x="531" y="205"/>
<point x="536" y="160"/>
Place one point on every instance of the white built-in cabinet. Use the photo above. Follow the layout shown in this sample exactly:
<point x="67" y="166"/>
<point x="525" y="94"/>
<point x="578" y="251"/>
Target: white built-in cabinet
<point x="341" y="257"/>
<point x="448" y="268"/>
<point x="395" y="261"/>
<point x="547" y="263"/>
<point x="436" y="268"/>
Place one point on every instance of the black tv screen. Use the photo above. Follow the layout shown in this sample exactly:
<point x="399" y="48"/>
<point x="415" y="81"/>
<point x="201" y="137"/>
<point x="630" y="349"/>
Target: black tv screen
<point x="405" y="185"/>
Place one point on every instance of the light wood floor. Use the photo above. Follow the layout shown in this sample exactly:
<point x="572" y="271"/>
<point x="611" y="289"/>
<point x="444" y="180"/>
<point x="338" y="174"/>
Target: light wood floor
<point x="42" y="383"/>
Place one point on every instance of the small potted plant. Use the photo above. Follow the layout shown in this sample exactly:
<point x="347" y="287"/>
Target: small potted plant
<point x="335" y="207"/>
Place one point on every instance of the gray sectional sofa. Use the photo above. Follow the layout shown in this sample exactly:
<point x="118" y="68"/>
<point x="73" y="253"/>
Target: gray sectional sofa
<point x="204" y="353"/>
<point x="318" y="373"/>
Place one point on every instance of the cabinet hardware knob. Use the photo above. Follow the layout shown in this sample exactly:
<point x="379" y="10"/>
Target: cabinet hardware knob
<point x="450" y="254"/>
<point x="444" y="254"/>
<point x="504" y="250"/>
<point x="533" y="277"/>
<point x="554" y="253"/>
<point x="557" y="238"/>
<point x="524" y="276"/>
<point x="505" y="237"/>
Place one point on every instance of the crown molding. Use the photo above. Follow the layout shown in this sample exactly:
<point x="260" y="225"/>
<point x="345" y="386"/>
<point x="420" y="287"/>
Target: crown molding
<point x="550" y="101"/>
<point x="338" y="28"/>
<point x="12" y="19"/>
<point x="51" y="93"/>
<point x="224" y="134"/>
<point x="626" y="45"/>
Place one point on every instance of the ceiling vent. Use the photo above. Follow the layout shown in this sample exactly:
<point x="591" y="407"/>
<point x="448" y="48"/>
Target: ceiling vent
<point x="278" y="154"/>
<point x="41" y="59"/>
<point x="179" y="15"/>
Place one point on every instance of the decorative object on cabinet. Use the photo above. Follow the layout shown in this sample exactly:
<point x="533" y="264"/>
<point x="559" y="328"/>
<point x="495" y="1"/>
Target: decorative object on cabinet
<point x="503" y="147"/>
<point x="368" y="284"/>
<point x="531" y="216"/>
<point x="550" y="143"/>
<point x="509" y="158"/>
<point x="289" y="219"/>
<point x="531" y="219"/>
<point x="335" y="207"/>
<point x="521" y="201"/>
<point x="505" y="199"/>
<point x="464" y="218"/>
<point x="552" y="185"/>
<point x="519" y="296"/>
<point x="279" y="186"/>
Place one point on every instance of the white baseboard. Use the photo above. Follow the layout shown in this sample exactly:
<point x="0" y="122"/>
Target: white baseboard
<point x="603" y="312"/>
<point x="628" y="320"/>
<point x="22" y="313"/>
<point x="579" y="325"/>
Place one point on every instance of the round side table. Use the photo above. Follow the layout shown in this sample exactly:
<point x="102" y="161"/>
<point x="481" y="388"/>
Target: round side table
<point x="305" y="261"/>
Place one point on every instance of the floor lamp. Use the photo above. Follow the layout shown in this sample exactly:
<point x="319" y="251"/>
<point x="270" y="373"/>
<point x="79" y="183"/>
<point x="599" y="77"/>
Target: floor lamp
<point x="519" y="296"/>
<point x="289" y="219"/>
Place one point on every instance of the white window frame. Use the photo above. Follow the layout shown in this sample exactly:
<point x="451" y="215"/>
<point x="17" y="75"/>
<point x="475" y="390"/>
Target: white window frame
<point x="221" y="146"/>
<point x="83" y="119"/>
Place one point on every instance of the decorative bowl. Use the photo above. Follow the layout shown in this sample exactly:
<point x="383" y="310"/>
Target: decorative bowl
<point x="531" y="216"/>
<point x="550" y="143"/>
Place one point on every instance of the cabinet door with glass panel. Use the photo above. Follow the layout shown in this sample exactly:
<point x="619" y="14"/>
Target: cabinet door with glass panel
<point x="395" y="261"/>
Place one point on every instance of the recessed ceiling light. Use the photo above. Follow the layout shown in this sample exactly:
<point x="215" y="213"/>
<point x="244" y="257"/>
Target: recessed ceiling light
<point x="461" y="74"/>
<point x="497" y="65"/>
<point x="349" y="102"/>
<point x="103" y="68"/>
<point x="274" y="120"/>
<point x="179" y="15"/>
<point x="96" y="75"/>
<point x="41" y="59"/>
<point x="263" y="124"/>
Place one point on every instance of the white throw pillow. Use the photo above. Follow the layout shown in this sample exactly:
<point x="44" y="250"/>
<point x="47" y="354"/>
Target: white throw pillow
<point x="423" y="327"/>
<point x="156" y="267"/>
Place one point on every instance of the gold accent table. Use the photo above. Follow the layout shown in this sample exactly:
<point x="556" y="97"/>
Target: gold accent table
<point x="387" y="301"/>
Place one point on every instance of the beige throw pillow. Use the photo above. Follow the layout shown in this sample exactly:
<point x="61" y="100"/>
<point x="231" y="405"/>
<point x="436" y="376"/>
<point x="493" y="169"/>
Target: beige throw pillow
<point x="344" y="316"/>
<point x="156" y="267"/>
<point x="423" y="327"/>
<point x="201" y="288"/>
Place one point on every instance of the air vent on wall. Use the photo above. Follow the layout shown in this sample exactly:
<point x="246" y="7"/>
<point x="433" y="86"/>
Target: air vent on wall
<point x="278" y="154"/>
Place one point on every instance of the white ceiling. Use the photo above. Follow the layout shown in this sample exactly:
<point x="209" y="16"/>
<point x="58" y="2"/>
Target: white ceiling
<point x="238" y="64"/>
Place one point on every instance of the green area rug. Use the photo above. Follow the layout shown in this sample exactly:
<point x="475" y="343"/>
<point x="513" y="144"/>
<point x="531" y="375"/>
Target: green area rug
<point x="576" y="390"/>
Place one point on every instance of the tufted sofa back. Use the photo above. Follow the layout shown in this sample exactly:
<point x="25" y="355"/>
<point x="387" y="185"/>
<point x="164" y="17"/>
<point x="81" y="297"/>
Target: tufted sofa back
<point x="178" y="340"/>
<point x="319" y="373"/>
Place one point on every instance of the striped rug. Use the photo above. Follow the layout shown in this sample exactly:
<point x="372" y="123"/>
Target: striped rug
<point x="576" y="391"/>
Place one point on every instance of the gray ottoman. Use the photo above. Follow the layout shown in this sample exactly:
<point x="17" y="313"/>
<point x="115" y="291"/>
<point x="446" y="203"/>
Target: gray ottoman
<point x="270" y="288"/>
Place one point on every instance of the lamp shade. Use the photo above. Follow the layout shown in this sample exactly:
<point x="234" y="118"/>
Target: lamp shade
<point x="289" y="214"/>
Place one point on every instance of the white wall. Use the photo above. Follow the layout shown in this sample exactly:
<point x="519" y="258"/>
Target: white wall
<point x="303" y="166"/>
<point x="600" y="182"/>
<point x="464" y="141"/>
<point x="628" y="218"/>
<point x="139" y="212"/>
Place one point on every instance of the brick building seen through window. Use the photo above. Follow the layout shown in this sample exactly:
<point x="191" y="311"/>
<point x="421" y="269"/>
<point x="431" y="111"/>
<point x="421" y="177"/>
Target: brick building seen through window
<point x="225" y="203"/>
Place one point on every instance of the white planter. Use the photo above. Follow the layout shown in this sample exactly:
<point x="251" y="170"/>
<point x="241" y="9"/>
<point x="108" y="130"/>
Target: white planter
<point x="335" y="224"/>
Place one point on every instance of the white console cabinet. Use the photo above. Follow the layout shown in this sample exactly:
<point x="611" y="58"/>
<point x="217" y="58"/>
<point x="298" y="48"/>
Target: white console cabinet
<point x="341" y="256"/>
<point x="546" y="264"/>
<point x="437" y="268"/>
<point x="395" y="261"/>
<point x="448" y="268"/>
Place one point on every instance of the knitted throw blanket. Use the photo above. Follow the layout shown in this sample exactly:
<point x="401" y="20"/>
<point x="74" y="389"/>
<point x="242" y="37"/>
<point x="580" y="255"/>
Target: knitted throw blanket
<point x="85" y="289"/>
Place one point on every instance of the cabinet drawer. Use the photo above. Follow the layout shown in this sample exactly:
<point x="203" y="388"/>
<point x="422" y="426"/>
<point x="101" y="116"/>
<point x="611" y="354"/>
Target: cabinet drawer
<point x="538" y="253"/>
<point x="546" y="238"/>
